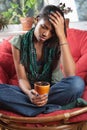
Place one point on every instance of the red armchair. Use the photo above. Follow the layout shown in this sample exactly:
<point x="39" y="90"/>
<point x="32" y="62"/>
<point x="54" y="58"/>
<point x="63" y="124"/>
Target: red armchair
<point x="64" y="119"/>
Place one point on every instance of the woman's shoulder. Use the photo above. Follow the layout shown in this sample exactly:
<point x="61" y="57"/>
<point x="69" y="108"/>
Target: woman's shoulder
<point x="16" y="40"/>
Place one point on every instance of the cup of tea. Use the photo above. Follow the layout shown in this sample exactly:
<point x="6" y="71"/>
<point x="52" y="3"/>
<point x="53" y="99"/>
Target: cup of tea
<point x="42" y="87"/>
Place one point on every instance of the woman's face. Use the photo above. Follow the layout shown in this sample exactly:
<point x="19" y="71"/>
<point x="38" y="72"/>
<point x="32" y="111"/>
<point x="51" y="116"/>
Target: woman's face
<point x="43" y="30"/>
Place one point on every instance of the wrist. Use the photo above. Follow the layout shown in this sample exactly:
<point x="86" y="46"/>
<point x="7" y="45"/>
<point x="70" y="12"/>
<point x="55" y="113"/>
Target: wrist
<point x="61" y="44"/>
<point x="27" y="92"/>
<point x="62" y="39"/>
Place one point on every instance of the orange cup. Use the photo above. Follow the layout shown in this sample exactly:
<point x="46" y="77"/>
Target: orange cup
<point x="42" y="87"/>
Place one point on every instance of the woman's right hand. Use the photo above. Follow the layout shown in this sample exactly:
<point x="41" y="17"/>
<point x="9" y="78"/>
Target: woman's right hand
<point x="35" y="98"/>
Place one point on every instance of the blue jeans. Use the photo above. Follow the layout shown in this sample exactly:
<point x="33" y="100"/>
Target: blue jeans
<point x="61" y="93"/>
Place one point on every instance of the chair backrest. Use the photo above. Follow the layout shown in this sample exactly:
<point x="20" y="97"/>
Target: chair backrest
<point x="78" y="44"/>
<point x="7" y="69"/>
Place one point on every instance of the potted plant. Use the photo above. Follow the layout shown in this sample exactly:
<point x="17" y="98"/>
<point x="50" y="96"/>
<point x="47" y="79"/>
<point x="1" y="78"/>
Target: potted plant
<point x="3" y="22"/>
<point x="65" y="10"/>
<point x="19" y="11"/>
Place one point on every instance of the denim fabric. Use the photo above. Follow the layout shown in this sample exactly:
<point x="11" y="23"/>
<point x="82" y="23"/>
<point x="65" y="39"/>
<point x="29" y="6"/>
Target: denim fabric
<point x="61" y="93"/>
<point x="66" y="91"/>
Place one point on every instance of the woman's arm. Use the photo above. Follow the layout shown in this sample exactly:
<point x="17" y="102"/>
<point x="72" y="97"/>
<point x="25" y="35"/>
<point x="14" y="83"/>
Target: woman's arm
<point x="20" y="70"/>
<point x="67" y="61"/>
<point x="24" y="84"/>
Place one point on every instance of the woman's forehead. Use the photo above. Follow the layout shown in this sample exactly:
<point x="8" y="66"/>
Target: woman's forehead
<point x="46" y="23"/>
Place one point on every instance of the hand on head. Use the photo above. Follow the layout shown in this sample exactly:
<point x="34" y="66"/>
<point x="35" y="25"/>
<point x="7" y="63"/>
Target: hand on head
<point x="58" y="22"/>
<point x="55" y="16"/>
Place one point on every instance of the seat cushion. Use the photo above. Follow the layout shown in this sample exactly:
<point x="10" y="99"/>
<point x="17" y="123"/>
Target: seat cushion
<point x="78" y="118"/>
<point x="6" y="62"/>
<point x="7" y="67"/>
<point x="77" y="40"/>
<point x="5" y="46"/>
<point x="78" y="44"/>
<point x="3" y="76"/>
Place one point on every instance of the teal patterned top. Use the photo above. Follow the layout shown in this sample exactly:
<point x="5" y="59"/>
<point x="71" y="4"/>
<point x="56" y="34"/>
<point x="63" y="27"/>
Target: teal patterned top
<point x="36" y="71"/>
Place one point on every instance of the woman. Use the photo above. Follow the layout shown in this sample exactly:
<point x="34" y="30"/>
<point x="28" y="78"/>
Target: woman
<point x="36" y="55"/>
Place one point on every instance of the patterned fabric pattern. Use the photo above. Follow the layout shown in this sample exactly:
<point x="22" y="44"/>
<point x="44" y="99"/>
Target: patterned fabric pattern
<point x="29" y="52"/>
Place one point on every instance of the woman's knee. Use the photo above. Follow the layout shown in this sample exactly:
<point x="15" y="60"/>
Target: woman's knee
<point x="67" y="90"/>
<point x="77" y="85"/>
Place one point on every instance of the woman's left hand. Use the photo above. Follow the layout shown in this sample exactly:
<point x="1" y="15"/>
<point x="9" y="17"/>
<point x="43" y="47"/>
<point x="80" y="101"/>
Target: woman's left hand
<point x="39" y="100"/>
<point x="58" y="22"/>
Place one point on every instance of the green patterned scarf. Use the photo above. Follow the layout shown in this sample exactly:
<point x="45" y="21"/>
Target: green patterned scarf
<point x="28" y="59"/>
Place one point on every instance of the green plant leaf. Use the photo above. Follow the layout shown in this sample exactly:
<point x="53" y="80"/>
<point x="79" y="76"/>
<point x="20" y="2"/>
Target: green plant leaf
<point x="31" y="3"/>
<point x="14" y="5"/>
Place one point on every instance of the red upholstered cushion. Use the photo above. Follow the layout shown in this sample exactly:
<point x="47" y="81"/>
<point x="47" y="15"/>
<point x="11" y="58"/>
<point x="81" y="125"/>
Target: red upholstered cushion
<point x="77" y="118"/>
<point x="84" y="96"/>
<point x="3" y="76"/>
<point x="5" y="46"/>
<point x="14" y="80"/>
<point x="6" y="62"/>
<point x="78" y="45"/>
